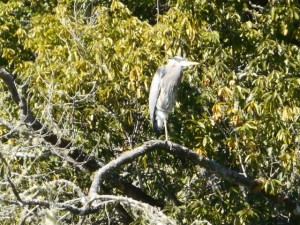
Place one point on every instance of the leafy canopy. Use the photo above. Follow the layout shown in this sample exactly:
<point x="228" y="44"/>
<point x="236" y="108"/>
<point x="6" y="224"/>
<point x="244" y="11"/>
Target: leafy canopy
<point x="87" y="67"/>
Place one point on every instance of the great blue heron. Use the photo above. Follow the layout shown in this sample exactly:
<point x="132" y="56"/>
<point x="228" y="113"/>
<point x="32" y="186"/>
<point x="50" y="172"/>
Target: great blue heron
<point x="163" y="91"/>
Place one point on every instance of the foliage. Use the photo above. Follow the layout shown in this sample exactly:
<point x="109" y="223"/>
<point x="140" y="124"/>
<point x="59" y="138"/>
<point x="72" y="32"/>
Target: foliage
<point x="86" y="68"/>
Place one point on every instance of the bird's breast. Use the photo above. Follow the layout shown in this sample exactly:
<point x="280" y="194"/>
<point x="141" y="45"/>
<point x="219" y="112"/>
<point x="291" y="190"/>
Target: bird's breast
<point x="168" y="89"/>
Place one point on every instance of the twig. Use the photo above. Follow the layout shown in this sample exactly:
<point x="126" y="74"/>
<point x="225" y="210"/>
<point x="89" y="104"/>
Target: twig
<point x="58" y="143"/>
<point x="75" y="156"/>
<point x="157" y="7"/>
<point x="23" y="219"/>
<point x="8" y="177"/>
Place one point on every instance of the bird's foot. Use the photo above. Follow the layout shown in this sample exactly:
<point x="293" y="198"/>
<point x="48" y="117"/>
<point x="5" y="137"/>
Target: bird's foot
<point x="169" y="143"/>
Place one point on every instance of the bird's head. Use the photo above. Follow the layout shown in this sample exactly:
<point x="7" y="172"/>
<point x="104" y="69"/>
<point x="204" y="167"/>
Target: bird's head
<point x="178" y="60"/>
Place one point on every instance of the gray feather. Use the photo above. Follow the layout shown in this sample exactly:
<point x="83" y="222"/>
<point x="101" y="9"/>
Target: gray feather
<point x="154" y="93"/>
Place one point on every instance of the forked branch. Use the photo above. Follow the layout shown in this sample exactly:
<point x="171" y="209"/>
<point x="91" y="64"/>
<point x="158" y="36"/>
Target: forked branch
<point x="188" y="154"/>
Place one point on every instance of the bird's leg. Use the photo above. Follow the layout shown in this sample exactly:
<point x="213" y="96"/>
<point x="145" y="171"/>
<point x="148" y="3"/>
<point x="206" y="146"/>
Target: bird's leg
<point x="166" y="130"/>
<point x="166" y="134"/>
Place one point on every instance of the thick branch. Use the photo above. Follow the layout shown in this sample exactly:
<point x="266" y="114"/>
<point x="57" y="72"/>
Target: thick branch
<point x="9" y="81"/>
<point x="192" y="156"/>
<point x="182" y="151"/>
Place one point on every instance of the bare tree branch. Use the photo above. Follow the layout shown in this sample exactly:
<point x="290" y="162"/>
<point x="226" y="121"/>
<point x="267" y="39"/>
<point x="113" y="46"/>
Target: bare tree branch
<point x="191" y="155"/>
<point x="176" y="149"/>
<point x="7" y="124"/>
<point x="75" y="156"/>
<point x="99" y="202"/>
<point x="9" y="81"/>
<point x="13" y="187"/>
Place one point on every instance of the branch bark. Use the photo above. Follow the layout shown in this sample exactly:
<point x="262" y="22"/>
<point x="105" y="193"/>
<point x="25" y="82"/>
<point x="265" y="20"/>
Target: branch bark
<point x="188" y="154"/>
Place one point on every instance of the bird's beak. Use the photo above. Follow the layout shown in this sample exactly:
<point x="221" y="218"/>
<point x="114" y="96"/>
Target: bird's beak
<point x="188" y="63"/>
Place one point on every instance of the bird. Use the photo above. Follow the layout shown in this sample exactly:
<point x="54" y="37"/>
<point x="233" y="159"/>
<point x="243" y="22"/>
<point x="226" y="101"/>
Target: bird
<point x="163" y="91"/>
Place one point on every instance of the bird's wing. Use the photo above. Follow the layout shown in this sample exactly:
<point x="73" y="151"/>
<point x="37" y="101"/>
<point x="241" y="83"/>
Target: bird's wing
<point x="154" y="93"/>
